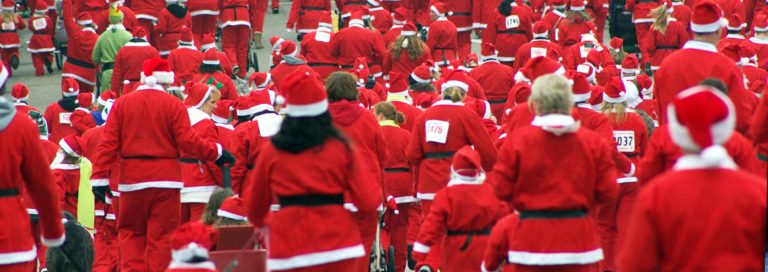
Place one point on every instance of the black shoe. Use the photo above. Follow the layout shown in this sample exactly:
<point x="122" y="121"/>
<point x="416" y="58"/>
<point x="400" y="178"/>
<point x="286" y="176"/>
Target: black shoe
<point x="49" y="66"/>
<point x="15" y="62"/>
<point x="275" y="11"/>
<point x="411" y="262"/>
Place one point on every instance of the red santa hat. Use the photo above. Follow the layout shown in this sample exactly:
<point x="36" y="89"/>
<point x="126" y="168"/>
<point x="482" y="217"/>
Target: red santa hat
<point x="324" y="21"/>
<point x="747" y="56"/>
<point x="400" y="16"/>
<point x="72" y="145"/>
<point x="630" y="64"/>
<point x="736" y="23"/>
<point x="537" y="67"/>
<point x="577" y="5"/>
<point x="232" y="208"/>
<point x="211" y="57"/>
<point x="191" y="241"/>
<point x="580" y="86"/>
<point x="9" y="5"/>
<point x="409" y="29"/>
<point x="176" y="86"/>
<point x="265" y="99"/>
<point x="41" y="7"/>
<point x="702" y="131"/>
<point x="557" y="3"/>
<point x="455" y="78"/>
<point x="481" y="107"/>
<point x="288" y="48"/>
<point x="440" y="9"/>
<point x="421" y="74"/>
<point x="376" y="71"/>
<point x="276" y="41"/>
<point x="373" y="3"/>
<point x="470" y="58"/>
<point x="197" y="94"/>
<point x="361" y="71"/>
<point x="760" y="23"/>
<point x="156" y="71"/>
<point x="186" y="36"/>
<point x="707" y="17"/>
<point x="69" y="87"/>
<point x="615" y="91"/>
<point x="20" y="92"/>
<point x="106" y="96"/>
<point x="397" y="83"/>
<point x="84" y="19"/>
<point x="223" y="111"/>
<point x="208" y="42"/>
<point x="540" y="29"/>
<point x="139" y="32"/>
<point x="85" y="100"/>
<point x="304" y="94"/>
<point x="617" y="44"/>
<point x="732" y="52"/>
<point x="645" y="83"/>
<point x="356" y="19"/>
<point x="489" y="52"/>
<point x="259" y="80"/>
<point x="245" y="106"/>
<point x="596" y="97"/>
<point x="466" y="167"/>
<point x="588" y="70"/>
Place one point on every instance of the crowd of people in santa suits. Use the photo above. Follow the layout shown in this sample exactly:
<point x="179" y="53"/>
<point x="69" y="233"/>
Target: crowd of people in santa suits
<point x="551" y="151"/>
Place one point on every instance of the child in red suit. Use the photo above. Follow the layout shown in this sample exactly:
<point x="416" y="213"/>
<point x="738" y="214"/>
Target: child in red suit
<point x="66" y="171"/>
<point x="41" y="43"/>
<point x="191" y="243"/>
<point x="9" y="37"/>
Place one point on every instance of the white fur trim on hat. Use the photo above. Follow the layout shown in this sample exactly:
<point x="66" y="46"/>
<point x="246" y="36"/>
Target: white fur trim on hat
<point x="212" y="62"/>
<point x="420" y="80"/>
<point x="205" y="97"/>
<point x="85" y="22"/>
<point x="207" y="46"/>
<point x="621" y="99"/>
<point x="226" y="214"/>
<point x="721" y="131"/>
<point x="67" y="149"/>
<point x="454" y="83"/>
<point x="356" y="23"/>
<point x="408" y="33"/>
<point x="712" y="27"/>
<point x="189" y="252"/>
<point x="309" y="110"/>
<point x="373" y="2"/>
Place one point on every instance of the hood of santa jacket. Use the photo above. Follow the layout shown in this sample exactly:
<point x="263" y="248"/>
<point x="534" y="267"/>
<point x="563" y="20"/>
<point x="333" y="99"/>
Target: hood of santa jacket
<point x="177" y="10"/>
<point x="7" y="111"/>
<point x="293" y="60"/>
<point x="345" y="112"/>
<point x="69" y="103"/>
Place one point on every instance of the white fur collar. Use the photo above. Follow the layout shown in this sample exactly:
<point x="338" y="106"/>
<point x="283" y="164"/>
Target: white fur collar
<point x="699" y="45"/>
<point x="447" y="103"/>
<point x="557" y="124"/>
<point x="693" y="161"/>
<point x="196" y="115"/>
<point x="758" y="40"/>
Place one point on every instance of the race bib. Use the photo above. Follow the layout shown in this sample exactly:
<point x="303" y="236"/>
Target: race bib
<point x="64" y="118"/>
<point x="9" y="26"/>
<point x="538" y="52"/>
<point x="512" y="21"/>
<point x="39" y="23"/>
<point x="321" y="36"/>
<point x="625" y="140"/>
<point x="584" y="51"/>
<point x="437" y="131"/>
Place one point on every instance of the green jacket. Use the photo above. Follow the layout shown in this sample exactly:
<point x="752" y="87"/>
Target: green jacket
<point x="109" y="43"/>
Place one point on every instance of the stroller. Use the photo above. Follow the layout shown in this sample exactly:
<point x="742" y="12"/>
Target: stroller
<point x="382" y="260"/>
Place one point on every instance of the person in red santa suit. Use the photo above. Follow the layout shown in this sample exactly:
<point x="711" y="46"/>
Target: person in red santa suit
<point x="665" y="37"/>
<point x="357" y="41"/>
<point x="57" y="113"/>
<point x="169" y="26"/>
<point x="406" y="52"/>
<point x="399" y="19"/>
<point x="204" y="17"/>
<point x="442" y="38"/>
<point x="570" y="29"/>
<point x="510" y="27"/>
<point x="438" y="132"/>
<point x="127" y="65"/>
<point x="200" y="178"/>
<point x="759" y="40"/>
<point x="461" y="16"/>
<point x="703" y="178"/>
<point x="20" y="96"/>
<point x="397" y="177"/>
<point x="150" y="173"/>
<point x="631" y="137"/>
<point x="316" y="47"/>
<point x="306" y="15"/>
<point x="260" y="123"/>
<point x="641" y="16"/>
<point x="81" y="38"/>
<point x="579" y="53"/>
<point x="555" y="13"/>
<point x="461" y="217"/>
<point x="289" y="61"/>
<point x="497" y="79"/>
<point x="459" y="73"/>
<point x="210" y="73"/>
<point x="24" y="157"/>
<point x="539" y="46"/>
<point x="210" y="42"/>
<point x="748" y="63"/>
<point x="41" y="44"/>
<point x="9" y="37"/>
<point x="648" y="105"/>
<point x="707" y="27"/>
<point x="148" y="14"/>
<point x="735" y="34"/>
<point x="185" y="60"/>
<point x="398" y="95"/>
<point x="190" y="244"/>
<point x="238" y="18"/>
<point x="560" y="217"/>
<point x="81" y="117"/>
<point x="91" y="7"/>
<point x="66" y="172"/>
<point x="495" y="257"/>
<point x="349" y="8"/>
<point x="221" y="117"/>
<point x="308" y="137"/>
<point x="381" y="19"/>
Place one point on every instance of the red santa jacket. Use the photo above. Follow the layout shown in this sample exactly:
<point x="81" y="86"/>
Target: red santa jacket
<point x="662" y="237"/>
<point x="203" y="7"/>
<point x="130" y="20"/>
<point x="728" y="40"/>
<point x="498" y="244"/>
<point x="641" y="10"/>
<point x="168" y="28"/>
<point x="410" y="111"/>
<point x="575" y="182"/>
<point x="569" y="32"/>
<point x="185" y="62"/>
<point x="128" y="62"/>
<point x="24" y="166"/>
<point x="354" y="42"/>
<point x="577" y="54"/>
<point x="24" y="108"/>
<point x="80" y="43"/>
<point x="442" y="41"/>
<point x="391" y="35"/>
<point x="67" y="179"/>
<point x="330" y="170"/>
<point x="682" y="14"/>
<point x="496" y="80"/>
<point x="398" y="174"/>
<point x="461" y="13"/>
<point x="305" y="14"/>
<point x="49" y="150"/>
<point x="225" y="132"/>
<point x="381" y="19"/>
<point x="459" y="211"/>
<point x="248" y="141"/>
<point x="364" y="131"/>
<point x="535" y="48"/>
<point x="761" y="49"/>
<point x="553" y="18"/>
<point x="508" y="33"/>
<point x="631" y="139"/>
<point x="662" y="154"/>
<point x="42" y="28"/>
<point x="92" y="7"/>
<point x="147" y="130"/>
<point x="316" y="48"/>
<point x="660" y="45"/>
<point x="147" y="9"/>
<point x="402" y="63"/>
<point x="9" y="37"/>
<point x="437" y="134"/>
<point x="58" y="121"/>
<point x="228" y="90"/>
<point x="200" y="177"/>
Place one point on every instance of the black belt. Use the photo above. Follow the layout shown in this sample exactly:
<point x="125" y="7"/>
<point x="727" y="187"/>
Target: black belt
<point x="439" y="155"/>
<point x="145" y="158"/>
<point x="316" y="64"/>
<point x="631" y="155"/>
<point x="470" y="235"/>
<point x="189" y="160"/>
<point x="667" y="47"/>
<point x="397" y="170"/>
<point x="11" y="192"/>
<point x="762" y="157"/>
<point x="461" y="14"/>
<point x="346" y="66"/>
<point x="497" y="101"/>
<point x="40" y="32"/>
<point x="81" y="63"/>
<point x="233" y="7"/>
<point x="552" y="214"/>
<point x="355" y="3"/>
<point x="511" y="31"/>
<point x="311" y="200"/>
<point x="107" y="66"/>
<point x="8" y="31"/>
<point x="312" y="8"/>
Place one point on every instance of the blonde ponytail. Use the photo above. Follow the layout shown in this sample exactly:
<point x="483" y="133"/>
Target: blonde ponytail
<point x="661" y="19"/>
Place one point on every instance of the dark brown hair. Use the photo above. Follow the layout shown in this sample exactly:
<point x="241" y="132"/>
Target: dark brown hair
<point x="341" y="86"/>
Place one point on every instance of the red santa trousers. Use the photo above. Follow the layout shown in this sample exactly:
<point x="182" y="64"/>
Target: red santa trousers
<point x="18" y="267"/>
<point x="149" y="26"/>
<point x="38" y="243"/>
<point x="367" y="222"/>
<point x="398" y="232"/>
<point x="105" y="241"/>
<point x="192" y="212"/>
<point x="6" y="54"/>
<point x="640" y="30"/>
<point x="39" y="59"/>
<point x="234" y="42"/>
<point x="85" y="76"/>
<point x="203" y="24"/>
<point x="260" y="12"/>
<point x="147" y="219"/>
<point x="613" y="222"/>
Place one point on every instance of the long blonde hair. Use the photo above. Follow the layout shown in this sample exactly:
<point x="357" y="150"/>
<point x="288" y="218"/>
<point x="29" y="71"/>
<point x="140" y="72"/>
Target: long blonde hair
<point x="413" y="44"/>
<point x="661" y="20"/>
<point x="9" y="16"/>
<point x="616" y="112"/>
